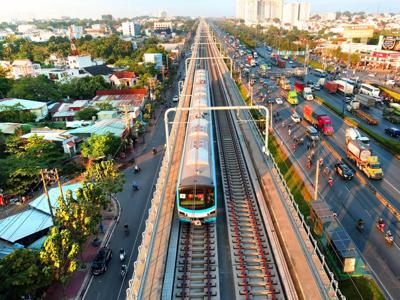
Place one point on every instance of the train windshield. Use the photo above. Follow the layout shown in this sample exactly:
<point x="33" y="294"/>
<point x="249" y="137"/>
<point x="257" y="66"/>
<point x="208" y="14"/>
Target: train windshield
<point x="200" y="198"/>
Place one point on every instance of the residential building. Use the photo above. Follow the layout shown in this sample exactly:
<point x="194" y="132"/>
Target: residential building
<point x="37" y="108"/>
<point x="97" y="70"/>
<point x="270" y="10"/>
<point x="79" y="61"/>
<point x="130" y="29"/>
<point x="24" y="68"/>
<point x="57" y="136"/>
<point x="154" y="58"/>
<point x="163" y="27"/>
<point x="60" y="75"/>
<point x="75" y="32"/>
<point x="116" y="126"/>
<point x="9" y="128"/>
<point x="123" y="78"/>
<point x="296" y="13"/>
<point x="256" y="11"/>
<point x="240" y="8"/>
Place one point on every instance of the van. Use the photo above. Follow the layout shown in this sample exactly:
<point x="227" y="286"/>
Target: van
<point x="312" y="133"/>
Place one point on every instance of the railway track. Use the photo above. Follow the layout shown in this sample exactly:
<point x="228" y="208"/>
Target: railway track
<point x="196" y="274"/>
<point x="196" y="269"/>
<point x="255" y="273"/>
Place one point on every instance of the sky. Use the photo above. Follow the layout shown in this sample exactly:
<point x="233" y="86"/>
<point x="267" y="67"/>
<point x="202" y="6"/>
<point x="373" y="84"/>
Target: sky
<point x="28" y="9"/>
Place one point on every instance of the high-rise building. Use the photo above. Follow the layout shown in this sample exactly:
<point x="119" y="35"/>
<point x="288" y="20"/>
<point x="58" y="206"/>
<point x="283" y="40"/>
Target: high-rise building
<point x="255" y="11"/>
<point x="106" y="17"/>
<point x="130" y="29"/>
<point x="296" y="13"/>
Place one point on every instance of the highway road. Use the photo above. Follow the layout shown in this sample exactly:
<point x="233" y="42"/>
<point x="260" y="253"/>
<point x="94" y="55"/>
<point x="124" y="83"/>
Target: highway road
<point x="351" y="200"/>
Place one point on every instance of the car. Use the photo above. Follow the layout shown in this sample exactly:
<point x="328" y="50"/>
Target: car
<point x="295" y="117"/>
<point x="344" y="171"/>
<point x="100" y="263"/>
<point x="175" y="98"/>
<point x="390" y="82"/>
<point x="312" y="133"/>
<point x="392" y="131"/>
<point x="371" y="75"/>
<point x="278" y="101"/>
<point x="348" y="99"/>
<point x="317" y="87"/>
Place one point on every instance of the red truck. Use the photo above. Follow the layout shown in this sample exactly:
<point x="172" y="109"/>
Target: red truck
<point x="299" y="87"/>
<point x="331" y="87"/>
<point x="281" y="63"/>
<point x="319" y="119"/>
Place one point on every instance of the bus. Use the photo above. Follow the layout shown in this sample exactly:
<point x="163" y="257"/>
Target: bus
<point x="320" y="73"/>
<point x="369" y="90"/>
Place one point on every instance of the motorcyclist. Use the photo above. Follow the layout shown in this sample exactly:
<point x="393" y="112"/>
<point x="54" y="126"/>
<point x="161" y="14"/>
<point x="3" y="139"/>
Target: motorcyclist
<point x="136" y="169"/>
<point x="135" y="185"/>
<point x="360" y="223"/>
<point x="124" y="268"/>
<point x="154" y="150"/>
<point x="122" y="254"/>
<point x="330" y="181"/>
<point x="389" y="234"/>
<point x="381" y="224"/>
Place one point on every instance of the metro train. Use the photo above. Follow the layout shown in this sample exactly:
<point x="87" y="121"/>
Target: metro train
<point x="196" y="191"/>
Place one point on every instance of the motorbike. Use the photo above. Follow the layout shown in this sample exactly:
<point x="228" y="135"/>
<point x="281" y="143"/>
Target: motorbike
<point x="389" y="239"/>
<point x="330" y="182"/>
<point x="123" y="270"/>
<point x="154" y="151"/>
<point x="136" y="170"/>
<point x="122" y="255"/>
<point x="360" y="226"/>
<point x="380" y="227"/>
<point x="126" y="230"/>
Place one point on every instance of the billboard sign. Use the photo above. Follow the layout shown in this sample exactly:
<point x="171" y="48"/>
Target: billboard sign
<point x="391" y="43"/>
<point x="358" y="31"/>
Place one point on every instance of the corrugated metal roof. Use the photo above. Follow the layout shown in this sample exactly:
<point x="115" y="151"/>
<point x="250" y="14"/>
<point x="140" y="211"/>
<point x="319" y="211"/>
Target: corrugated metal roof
<point x="27" y="104"/>
<point x="116" y="126"/>
<point x="40" y="203"/>
<point x="21" y="225"/>
<point x="9" y="128"/>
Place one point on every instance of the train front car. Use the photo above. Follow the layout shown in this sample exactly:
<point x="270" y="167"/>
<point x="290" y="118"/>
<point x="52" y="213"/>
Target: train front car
<point x="196" y="189"/>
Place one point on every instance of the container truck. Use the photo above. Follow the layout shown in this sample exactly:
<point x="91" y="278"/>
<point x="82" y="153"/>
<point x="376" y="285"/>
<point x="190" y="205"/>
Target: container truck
<point x="290" y="96"/>
<point x="392" y="115"/>
<point x="281" y="63"/>
<point x="352" y="134"/>
<point x="319" y="119"/>
<point x="298" y="87"/>
<point x="307" y="94"/>
<point x="354" y="108"/>
<point x="344" y="87"/>
<point x="331" y="87"/>
<point x="365" y="100"/>
<point x="364" y="160"/>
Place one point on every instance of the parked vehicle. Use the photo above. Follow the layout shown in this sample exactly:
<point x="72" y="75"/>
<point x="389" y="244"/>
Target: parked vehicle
<point x="298" y="87"/>
<point x="364" y="160"/>
<point x="344" y="171"/>
<point x="331" y="87"/>
<point x="393" y="132"/>
<point x="354" y="108"/>
<point x="307" y="94"/>
<point x="319" y="119"/>
<point x="101" y="260"/>
<point x="344" y="87"/>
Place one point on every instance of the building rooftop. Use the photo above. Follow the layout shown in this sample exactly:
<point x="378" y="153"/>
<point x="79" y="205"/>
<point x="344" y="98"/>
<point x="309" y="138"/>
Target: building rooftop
<point x="27" y="104"/>
<point x="124" y="74"/>
<point x="98" y="70"/>
<point x="48" y="134"/>
<point x="9" y="128"/>
<point x="116" y="126"/>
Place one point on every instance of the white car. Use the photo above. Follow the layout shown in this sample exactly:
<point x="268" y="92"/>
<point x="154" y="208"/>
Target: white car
<point x="295" y="117"/>
<point x="278" y="101"/>
<point x="371" y="75"/>
<point x="175" y="99"/>
<point x="390" y="82"/>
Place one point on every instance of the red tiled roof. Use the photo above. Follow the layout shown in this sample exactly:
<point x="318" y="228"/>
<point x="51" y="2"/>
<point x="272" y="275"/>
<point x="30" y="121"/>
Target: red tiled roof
<point x="124" y="74"/>
<point x="142" y="91"/>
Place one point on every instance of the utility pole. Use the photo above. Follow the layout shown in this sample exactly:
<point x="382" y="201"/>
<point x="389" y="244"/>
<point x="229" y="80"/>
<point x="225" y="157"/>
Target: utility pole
<point x="59" y="184"/>
<point x="47" y="194"/>
<point x="316" y="181"/>
<point x="306" y="61"/>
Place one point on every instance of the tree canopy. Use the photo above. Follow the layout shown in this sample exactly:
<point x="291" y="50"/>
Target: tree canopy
<point x="83" y="88"/>
<point x="86" y="114"/>
<point x="100" y="146"/>
<point x="34" y="88"/>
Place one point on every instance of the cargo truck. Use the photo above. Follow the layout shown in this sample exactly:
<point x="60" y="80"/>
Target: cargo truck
<point x="298" y="87"/>
<point x="319" y="119"/>
<point x="307" y="94"/>
<point x="392" y="115"/>
<point x="344" y="87"/>
<point x="281" y="63"/>
<point x="290" y="96"/>
<point x="364" y="160"/>
<point x="365" y="100"/>
<point x="331" y="87"/>
<point x="354" y="108"/>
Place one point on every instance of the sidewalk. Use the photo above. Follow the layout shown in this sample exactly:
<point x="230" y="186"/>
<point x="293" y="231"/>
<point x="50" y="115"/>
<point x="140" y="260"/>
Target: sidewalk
<point x="80" y="278"/>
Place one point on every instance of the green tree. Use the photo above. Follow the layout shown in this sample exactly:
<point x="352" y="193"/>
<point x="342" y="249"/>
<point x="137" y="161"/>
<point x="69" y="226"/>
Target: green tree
<point x="106" y="176"/>
<point x="86" y="114"/>
<point x="98" y="146"/>
<point x="34" y="88"/>
<point x="83" y="88"/>
<point x="5" y="86"/>
<point x="60" y="254"/>
<point x="21" y="274"/>
<point x="15" y="113"/>
<point x="106" y="105"/>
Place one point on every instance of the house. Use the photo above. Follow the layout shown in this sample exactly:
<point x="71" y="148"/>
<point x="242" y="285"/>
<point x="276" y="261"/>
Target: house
<point x="35" y="107"/>
<point x="132" y="100"/>
<point x="154" y="58"/>
<point x="97" y="70"/>
<point x="31" y="225"/>
<point x="24" y="68"/>
<point x="107" y="114"/>
<point x="60" y="75"/>
<point x="116" y="126"/>
<point x="79" y="61"/>
<point x="9" y="128"/>
<point x="66" y="111"/>
<point x="123" y="78"/>
<point x="58" y="136"/>
<point x="78" y="105"/>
